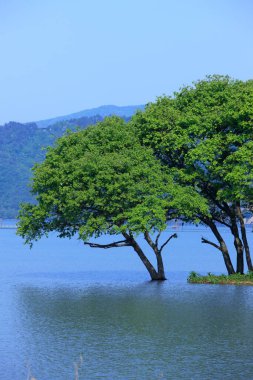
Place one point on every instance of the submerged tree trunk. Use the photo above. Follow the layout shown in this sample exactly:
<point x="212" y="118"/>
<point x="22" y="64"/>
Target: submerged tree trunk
<point x="160" y="266"/>
<point x="155" y="275"/>
<point x="222" y="245"/>
<point x="244" y="237"/>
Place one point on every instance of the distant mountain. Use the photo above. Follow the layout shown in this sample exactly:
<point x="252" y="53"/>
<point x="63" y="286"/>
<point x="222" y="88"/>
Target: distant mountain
<point x="124" y="111"/>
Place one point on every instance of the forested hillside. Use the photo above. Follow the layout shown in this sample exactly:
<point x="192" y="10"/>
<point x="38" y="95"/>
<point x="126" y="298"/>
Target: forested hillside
<point x="21" y="146"/>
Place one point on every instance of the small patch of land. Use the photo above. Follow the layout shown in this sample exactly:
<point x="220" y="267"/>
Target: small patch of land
<point x="233" y="279"/>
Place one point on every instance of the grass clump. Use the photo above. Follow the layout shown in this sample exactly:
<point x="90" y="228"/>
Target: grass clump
<point x="233" y="279"/>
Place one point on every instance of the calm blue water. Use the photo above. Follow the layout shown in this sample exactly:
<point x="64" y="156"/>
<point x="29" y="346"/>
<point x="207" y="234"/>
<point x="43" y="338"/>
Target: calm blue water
<point x="62" y="300"/>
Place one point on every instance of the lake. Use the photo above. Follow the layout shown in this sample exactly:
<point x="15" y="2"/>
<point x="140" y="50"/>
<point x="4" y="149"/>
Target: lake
<point x="61" y="300"/>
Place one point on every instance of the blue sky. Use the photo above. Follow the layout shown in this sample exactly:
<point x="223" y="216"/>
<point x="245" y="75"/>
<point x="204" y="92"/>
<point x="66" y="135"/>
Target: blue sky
<point x="63" y="56"/>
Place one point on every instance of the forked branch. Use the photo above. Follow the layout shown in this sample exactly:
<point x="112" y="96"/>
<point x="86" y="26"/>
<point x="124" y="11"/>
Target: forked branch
<point x="167" y="241"/>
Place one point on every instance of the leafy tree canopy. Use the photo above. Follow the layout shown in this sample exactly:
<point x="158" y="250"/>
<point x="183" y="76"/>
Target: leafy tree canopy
<point x="205" y="136"/>
<point x="102" y="181"/>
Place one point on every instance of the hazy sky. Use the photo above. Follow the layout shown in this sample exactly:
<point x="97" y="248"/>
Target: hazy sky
<point x="63" y="56"/>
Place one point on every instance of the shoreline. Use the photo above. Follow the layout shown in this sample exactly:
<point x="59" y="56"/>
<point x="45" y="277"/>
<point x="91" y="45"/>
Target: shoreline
<point x="212" y="279"/>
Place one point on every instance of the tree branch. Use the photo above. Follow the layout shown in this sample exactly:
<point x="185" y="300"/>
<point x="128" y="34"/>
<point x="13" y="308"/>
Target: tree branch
<point x="167" y="241"/>
<point x="227" y="209"/>
<point x="221" y="222"/>
<point x="121" y="243"/>
<point x="211" y="193"/>
<point x="157" y="238"/>
<point x="205" y="241"/>
<point x="150" y="242"/>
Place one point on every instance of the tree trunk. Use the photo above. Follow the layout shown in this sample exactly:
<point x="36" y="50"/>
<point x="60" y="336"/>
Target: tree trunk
<point x="160" y="267"/>
<point x="244" y="237"/>
<point x="156" y="276"/>
<point x="239" y="256"/>
<point x="238" y="245"/>
<point x="223" y="246"/>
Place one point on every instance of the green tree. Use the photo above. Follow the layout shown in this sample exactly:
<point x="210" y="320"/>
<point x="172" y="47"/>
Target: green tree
<point x="204" y="135"/>
<point x="102" y="181"/>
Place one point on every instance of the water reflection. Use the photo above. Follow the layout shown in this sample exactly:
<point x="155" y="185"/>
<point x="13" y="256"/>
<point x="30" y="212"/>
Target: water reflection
<point x="145" y="331"/>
